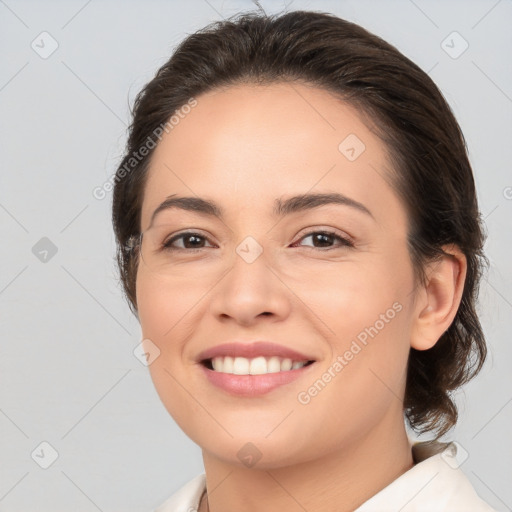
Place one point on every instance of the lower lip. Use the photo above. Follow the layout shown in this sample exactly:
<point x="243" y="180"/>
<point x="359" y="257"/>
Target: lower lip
<point x="253" y="385"/>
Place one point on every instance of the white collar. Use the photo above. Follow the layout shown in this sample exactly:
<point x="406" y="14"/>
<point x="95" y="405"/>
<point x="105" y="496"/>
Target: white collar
<point x="434" y="483"/>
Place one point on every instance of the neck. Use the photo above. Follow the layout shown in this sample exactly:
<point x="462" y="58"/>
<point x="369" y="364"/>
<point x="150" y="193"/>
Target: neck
<point x="342" y="480"/>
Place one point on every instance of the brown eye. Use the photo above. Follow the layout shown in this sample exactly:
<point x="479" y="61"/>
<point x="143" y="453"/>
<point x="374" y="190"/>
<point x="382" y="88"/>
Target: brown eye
<point x="190" y="240"/>
<point x="325" y="239"/>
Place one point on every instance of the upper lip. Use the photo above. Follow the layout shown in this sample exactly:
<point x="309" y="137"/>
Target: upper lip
<point x="252" y="350"/>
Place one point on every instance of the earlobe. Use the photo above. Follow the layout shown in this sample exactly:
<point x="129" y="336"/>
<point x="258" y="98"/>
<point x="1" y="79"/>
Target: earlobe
<point x="439" y="298"/>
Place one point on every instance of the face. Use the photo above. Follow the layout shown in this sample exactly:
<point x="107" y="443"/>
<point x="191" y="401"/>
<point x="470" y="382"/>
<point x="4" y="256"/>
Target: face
<point x="330" y="280"/>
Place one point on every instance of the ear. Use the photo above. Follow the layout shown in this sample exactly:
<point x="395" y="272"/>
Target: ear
<point x="438" y="299"/>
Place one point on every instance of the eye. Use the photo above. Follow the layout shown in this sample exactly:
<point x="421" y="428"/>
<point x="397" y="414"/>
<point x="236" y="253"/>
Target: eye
<point x="325" y="238"/>
<point x="195" y="241"/>
<point x="190" y="241"/>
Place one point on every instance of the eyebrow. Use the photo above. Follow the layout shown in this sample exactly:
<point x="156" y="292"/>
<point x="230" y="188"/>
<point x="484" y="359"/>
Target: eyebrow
<point x="282" y="207"/>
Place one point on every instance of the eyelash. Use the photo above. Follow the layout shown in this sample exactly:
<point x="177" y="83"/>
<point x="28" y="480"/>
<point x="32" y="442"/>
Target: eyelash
<point x="345" y="242"/>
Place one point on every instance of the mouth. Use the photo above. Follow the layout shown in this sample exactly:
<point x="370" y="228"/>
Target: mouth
<point x="253" y="369"/>
<point x="260" y="365"/>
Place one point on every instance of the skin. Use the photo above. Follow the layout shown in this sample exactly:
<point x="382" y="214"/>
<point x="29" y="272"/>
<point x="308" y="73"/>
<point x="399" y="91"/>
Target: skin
<point x="243" y="147"/>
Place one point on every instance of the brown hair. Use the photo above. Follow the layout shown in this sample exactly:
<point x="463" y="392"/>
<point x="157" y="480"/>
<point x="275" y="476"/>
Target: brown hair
<point x="431" y="170"/>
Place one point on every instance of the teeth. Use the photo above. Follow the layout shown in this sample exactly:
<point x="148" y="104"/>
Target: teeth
<point x="227" y="364"/>
<point x="240" y="366"/>
<point x="273" y="365"/>
<point x="286" y="364"/>
<point x="257" y="366"/>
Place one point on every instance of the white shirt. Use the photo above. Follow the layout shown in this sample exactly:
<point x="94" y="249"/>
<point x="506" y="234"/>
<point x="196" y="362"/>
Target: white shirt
<point x="434" y="484"/>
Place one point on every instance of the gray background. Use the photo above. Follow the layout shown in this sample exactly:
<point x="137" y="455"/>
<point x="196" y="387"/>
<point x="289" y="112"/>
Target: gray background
<point x="68" y="375"/>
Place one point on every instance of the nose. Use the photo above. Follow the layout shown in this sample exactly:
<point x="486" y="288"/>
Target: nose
<point x="250" y="292"/>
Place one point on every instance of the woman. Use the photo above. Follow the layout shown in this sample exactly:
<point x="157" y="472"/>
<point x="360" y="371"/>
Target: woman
<point x="299" y="236"/>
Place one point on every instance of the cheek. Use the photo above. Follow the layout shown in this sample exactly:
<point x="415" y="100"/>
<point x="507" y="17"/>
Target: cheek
<point x="367" y="311"/>
<point x="162" y="312"/>
<point x="353" y="296"/>
<point x="163" y="309"/>
<point x="364" y="378"/>
<point x="166" y="307"/>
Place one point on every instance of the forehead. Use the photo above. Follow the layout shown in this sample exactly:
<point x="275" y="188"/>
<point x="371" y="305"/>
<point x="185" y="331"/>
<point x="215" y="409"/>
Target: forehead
<point x="250" y="144"/>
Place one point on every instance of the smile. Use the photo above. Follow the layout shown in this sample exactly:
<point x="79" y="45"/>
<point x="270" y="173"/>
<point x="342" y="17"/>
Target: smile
<point x="256" y="366"/>
<point x="250" y="369"/>
<point x="274" y="372"/>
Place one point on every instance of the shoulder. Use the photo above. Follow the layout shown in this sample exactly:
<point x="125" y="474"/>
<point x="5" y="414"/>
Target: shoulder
<point x="435" y="482"/>
<point x="186" y="498"/>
